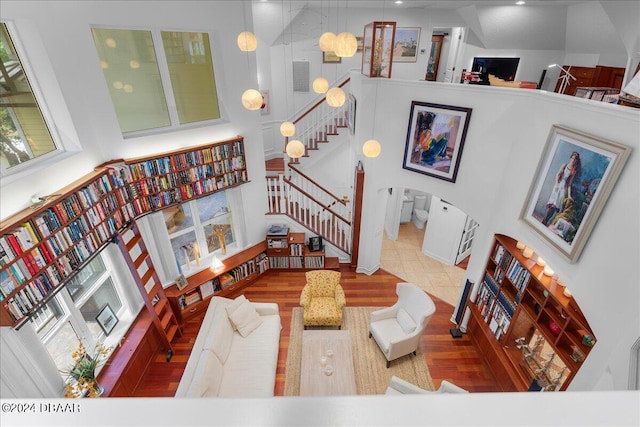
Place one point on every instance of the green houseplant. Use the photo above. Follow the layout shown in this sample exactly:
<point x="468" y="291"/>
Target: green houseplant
<point x="83" y="381"/>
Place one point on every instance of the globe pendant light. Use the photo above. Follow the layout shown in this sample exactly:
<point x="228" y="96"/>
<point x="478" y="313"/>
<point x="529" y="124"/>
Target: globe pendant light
<point x="336" y="97"/>
<point x="327" y="42"/>
<point x="252" y="99"/>
<point x="247" y="41"/>
<point x="295" y="149"/>
<point x="371" y="148"/>
<point x="287" y="129"/>
<point x="320" y="85"/>
<point x="345" y="45"/>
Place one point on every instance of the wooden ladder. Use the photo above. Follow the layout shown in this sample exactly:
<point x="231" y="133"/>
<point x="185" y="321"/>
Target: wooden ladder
<point x="139" y="262"/>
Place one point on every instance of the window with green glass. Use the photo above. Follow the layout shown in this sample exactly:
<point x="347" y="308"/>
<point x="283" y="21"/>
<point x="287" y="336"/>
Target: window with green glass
<point x="158" y="79"/>
<point x="24" y="134"/>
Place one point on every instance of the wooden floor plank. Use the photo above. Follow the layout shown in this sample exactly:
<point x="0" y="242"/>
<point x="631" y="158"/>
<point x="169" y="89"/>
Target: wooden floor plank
<point x="455" y="359"/>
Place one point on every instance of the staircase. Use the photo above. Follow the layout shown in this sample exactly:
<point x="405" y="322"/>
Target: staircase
<point x="292" y="193"/>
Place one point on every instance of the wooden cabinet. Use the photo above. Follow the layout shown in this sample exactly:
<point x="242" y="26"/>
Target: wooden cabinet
<point x="528" y="329"/>
<point x="598" y="76"/>
<point x="378" y="44"/>
<point x="288" y="251"/>
<point x="43" y="246"/>
<point x="236" y="272"/>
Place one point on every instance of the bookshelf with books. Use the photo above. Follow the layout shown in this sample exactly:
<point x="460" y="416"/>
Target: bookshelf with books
<point x="524" y="324"/>
<point x="237" y="272"/>
<point x="287" y="250"/>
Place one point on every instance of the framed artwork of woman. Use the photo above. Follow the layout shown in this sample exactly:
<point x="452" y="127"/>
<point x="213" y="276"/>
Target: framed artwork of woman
<point x="573" y="181"/>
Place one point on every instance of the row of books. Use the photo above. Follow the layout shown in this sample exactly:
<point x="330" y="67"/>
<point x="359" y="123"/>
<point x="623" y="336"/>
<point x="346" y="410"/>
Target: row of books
<point x="278" y="262"/>
<point x="262" y="263"/>
<point x="314" y="262"/>
<point x="26" y="299"/>
<point x="518" y="275"/>
<point x="296" y="249"/>
<point x="295" y="262"/>
<point x="500" y="321"/>
<point x="243" y="270"/>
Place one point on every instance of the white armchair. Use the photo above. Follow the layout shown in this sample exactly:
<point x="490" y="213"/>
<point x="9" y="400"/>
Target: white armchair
<point x="399" y="386"/>
<point x="397" y="329"/>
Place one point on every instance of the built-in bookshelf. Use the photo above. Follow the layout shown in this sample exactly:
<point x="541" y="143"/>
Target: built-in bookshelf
<point x="528" y="329"/>
<point x="236" y="272"/>
<point x="287" y="250"/>
<point x="43" y="246"/>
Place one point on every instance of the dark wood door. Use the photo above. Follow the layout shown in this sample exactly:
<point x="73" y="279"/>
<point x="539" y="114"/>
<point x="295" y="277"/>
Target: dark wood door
<point x="434" y="57"/>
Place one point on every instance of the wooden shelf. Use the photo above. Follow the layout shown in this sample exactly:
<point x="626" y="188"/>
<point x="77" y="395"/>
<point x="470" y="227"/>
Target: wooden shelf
<point x="551" y="325"/>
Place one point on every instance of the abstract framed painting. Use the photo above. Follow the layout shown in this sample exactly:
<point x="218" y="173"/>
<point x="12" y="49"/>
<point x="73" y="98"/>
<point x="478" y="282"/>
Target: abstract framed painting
<point x="435" y="139"/>
<point x="571" y="185"/>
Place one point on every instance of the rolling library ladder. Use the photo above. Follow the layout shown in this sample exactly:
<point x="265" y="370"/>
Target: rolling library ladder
<point x="137" y="257"/>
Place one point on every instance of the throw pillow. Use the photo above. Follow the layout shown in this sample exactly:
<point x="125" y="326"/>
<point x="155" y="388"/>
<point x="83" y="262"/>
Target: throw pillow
<point x="245" y="319"/>
<point x="405" y="320"/>
<point x="233" y="305"/>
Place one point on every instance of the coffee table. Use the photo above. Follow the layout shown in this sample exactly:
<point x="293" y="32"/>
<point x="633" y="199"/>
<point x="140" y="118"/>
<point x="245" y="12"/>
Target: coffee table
<point x="314" y="380"/>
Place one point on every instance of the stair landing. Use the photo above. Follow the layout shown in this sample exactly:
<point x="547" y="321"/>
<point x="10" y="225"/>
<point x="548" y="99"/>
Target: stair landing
<point x="275" y="165"/>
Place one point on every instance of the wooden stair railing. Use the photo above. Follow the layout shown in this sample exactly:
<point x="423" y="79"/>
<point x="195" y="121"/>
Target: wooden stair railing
<point x="328" y="218"/>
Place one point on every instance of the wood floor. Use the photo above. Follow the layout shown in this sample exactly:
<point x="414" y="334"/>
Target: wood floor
<point x="454" y="359"/>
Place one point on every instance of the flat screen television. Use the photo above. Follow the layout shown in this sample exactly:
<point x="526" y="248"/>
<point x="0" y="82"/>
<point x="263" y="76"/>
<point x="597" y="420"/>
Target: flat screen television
<point x="504" y="68"/>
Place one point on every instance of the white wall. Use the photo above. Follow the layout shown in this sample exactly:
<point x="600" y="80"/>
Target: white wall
<point x="507" y="132"/>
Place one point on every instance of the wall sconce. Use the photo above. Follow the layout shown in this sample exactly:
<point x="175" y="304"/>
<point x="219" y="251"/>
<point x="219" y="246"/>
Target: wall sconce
<point x="527" y="252"/>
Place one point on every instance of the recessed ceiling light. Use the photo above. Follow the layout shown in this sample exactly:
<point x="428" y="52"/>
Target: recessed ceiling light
<point x="520" y="3"/>
<point x="398" y="2"/>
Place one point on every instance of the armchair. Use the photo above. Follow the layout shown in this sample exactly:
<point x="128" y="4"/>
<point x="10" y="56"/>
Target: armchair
<point x="397" y="329"/>
<point x="399" y="386"/>
<point x="322" y="298"/>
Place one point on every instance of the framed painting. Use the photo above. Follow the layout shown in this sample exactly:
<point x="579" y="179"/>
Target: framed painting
<point x="351" y="114"/>
<point x="435" y="139"/>
<point x="331" y="58"/>
<point x="405" y="47"/>
<point x="572" y="183"/>
<point x="107" y="319"/>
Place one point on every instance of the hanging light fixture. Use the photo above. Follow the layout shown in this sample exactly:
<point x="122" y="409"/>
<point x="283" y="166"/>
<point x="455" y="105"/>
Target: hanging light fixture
<point x="371" y="148"/>
<point x="346" y="44"/>
<point x="327" y="42"/>
<point x="295" y="149"/>
<point x="320" y="85"/>
<point x="247" y="41"/>
<point x="287" y="129"/>
<point x="336" y="97"/>
<point x="252" y="99"/>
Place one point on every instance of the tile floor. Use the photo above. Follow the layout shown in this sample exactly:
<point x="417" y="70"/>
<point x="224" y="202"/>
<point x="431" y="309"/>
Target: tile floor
<point x="404" y="258"/>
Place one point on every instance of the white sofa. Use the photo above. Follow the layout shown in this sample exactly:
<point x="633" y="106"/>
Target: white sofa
<point x="399" y="386"/>
<point x="223" y="363"/>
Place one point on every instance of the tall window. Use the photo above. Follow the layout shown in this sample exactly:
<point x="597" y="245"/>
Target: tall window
<point x="24" y="135"/>
<point x="158" y="79"/>
<point x="199" y="228"/>
<point x="70" y="317"/>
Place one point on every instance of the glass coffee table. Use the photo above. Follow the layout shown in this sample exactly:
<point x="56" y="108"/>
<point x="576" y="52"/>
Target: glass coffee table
<point x="327" y="364"/>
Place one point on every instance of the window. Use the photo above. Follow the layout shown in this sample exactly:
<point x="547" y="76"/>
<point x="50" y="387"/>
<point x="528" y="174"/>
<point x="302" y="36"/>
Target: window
<point x="70" y="316"/>
<point x="24" y="134"/>
<point x="158" y="79"/>
<point x="199" y="228"/>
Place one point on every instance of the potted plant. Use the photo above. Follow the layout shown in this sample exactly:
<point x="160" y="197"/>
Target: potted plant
<point x="83" y="381"/>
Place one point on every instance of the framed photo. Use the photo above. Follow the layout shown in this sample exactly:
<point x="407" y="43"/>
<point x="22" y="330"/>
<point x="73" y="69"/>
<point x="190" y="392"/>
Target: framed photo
<point x="264" y="108"/>
<point x="406" y="44"/>
<point x="360" y="40"/>
<point x="107" y="319"/>
<point x="572" y="183"/>
<point x="351" y="114"/>
<point x="435" y="139"/>
<point x="331" y="58"/>
<point x="181" y="282"/>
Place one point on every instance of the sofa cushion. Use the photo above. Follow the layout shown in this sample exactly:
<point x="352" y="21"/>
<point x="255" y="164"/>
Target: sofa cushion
<point x="220" y="335"/>
<point x="405" y="320"/>
<point x="233" y="305"/>
<point x="245" y="318"/>
<point x="207" y="376"/>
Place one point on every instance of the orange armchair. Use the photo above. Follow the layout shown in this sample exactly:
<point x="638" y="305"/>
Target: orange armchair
<point x="322" y="298"/>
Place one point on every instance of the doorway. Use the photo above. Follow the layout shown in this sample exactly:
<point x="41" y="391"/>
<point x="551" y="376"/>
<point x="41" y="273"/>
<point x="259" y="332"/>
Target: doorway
<point x="434" y="57"/>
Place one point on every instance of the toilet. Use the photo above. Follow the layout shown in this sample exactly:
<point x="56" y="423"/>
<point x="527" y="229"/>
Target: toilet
<point x="420" y="212"/>
<point x="407" y="209"/>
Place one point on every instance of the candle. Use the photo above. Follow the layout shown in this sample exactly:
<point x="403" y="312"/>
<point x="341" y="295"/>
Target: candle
<point x="323" y="361"/>
<point x="196" y="253"/>
<point x="520" y="245"/>
<point x="186" y="255"/>
<point x="548" y="271"/>
<point x="527" y="252"/>
<point x="567" y="293"/>
<point x="179" y="268"/>
<point x="541" y="262"/>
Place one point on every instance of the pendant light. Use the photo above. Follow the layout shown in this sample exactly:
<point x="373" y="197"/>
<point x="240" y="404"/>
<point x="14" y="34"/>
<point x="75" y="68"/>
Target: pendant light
<point x="320" y="85"/>
<point x="287" y="129"/>
<point x="327" y="42"/>
<point x="336" y="97"/>
<point x="247" y="41"/>
<point x="346" y="44"/>
<point x="371" y="148"/>
<point x="295" y="149"/>
<point x="251" y="98"/>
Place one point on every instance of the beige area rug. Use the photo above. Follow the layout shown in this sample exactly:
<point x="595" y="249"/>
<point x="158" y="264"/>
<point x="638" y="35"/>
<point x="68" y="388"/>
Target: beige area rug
<point x="372" y="375"/>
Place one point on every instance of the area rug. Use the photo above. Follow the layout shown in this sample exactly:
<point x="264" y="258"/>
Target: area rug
<point x="372" y="375"/>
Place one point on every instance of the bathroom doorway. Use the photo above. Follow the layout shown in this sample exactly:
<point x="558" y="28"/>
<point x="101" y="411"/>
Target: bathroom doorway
<point x="406" y="236"/>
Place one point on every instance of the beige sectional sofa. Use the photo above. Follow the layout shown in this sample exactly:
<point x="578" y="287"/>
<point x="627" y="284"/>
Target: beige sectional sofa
<point x="223" y="362"/>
